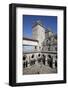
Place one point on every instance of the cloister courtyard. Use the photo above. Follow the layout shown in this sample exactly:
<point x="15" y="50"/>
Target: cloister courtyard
<point x="39" y="69"/>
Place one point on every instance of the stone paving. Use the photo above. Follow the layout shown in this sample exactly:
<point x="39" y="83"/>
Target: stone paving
<point x="38" y="69"/>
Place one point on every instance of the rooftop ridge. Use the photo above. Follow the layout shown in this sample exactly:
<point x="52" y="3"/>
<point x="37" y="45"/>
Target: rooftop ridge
<point x="31" y="39"/>
<point x="38" y="22"/>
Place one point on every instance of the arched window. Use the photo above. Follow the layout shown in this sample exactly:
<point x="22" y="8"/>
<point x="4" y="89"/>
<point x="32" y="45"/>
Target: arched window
<point x="32" y="56"/>
<point x="43" y="55"/>
<point x="35" y="47"/>
<point x="24" y="57"/>
<point x="39" y="47"/>
<point x="56" y="56"/>
<point x="49" y="48"/>
<point x="49" y="56"/>
<point x="56" y="48"/>
<point x="46" y="41"/>
<point x="39" y="55"/>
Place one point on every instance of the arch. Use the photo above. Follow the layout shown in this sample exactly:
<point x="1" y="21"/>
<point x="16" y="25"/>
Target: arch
<point x="25" y="63"/>
<point x="43" y="59"/>
<point x="24" y="57"/>
<point x="56" y="56"/>
<point x="56" y="64"/>
<point x="39" y="55"/>
<point x="50" y="60"/>
<point x="49" y="56"/>
<point x="39" y="58"/>
<point x="32" y="56"/>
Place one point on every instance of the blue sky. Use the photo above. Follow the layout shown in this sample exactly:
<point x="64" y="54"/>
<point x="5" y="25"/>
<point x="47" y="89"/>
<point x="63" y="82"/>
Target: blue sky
<point x="48" y="21"/>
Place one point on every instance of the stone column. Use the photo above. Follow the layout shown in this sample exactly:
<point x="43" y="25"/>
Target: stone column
<point x="46" y="58"/>
<point x="53" y="63"/>
<point x="36" y="61"/>
<point x="28" y="61"/>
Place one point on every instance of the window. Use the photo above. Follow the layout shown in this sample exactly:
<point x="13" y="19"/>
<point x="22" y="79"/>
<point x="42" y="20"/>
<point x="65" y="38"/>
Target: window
<point x="47" y="41"/>
<point x="39" y="55"/>
<point x="24" y="57"/>
<point x="32" y="56"/>
<point x="49" y="48"/>
<point x="35" y="47"/>
<point x="39" y="47"/>
<point x="56" y="48"/>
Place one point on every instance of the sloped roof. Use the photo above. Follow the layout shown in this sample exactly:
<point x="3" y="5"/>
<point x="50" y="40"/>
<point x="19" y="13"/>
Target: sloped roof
<point x="25" y="38"/>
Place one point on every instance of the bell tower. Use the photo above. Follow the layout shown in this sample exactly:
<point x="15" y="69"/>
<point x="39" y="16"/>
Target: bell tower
<point x="38" y="33"/>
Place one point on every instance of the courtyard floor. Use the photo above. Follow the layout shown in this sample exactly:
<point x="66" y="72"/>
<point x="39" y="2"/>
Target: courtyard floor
<point x="38" y="69"/>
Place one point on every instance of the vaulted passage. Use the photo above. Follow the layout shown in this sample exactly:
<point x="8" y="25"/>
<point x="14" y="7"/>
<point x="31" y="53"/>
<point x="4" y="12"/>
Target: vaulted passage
<point x="38" y="63"/>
